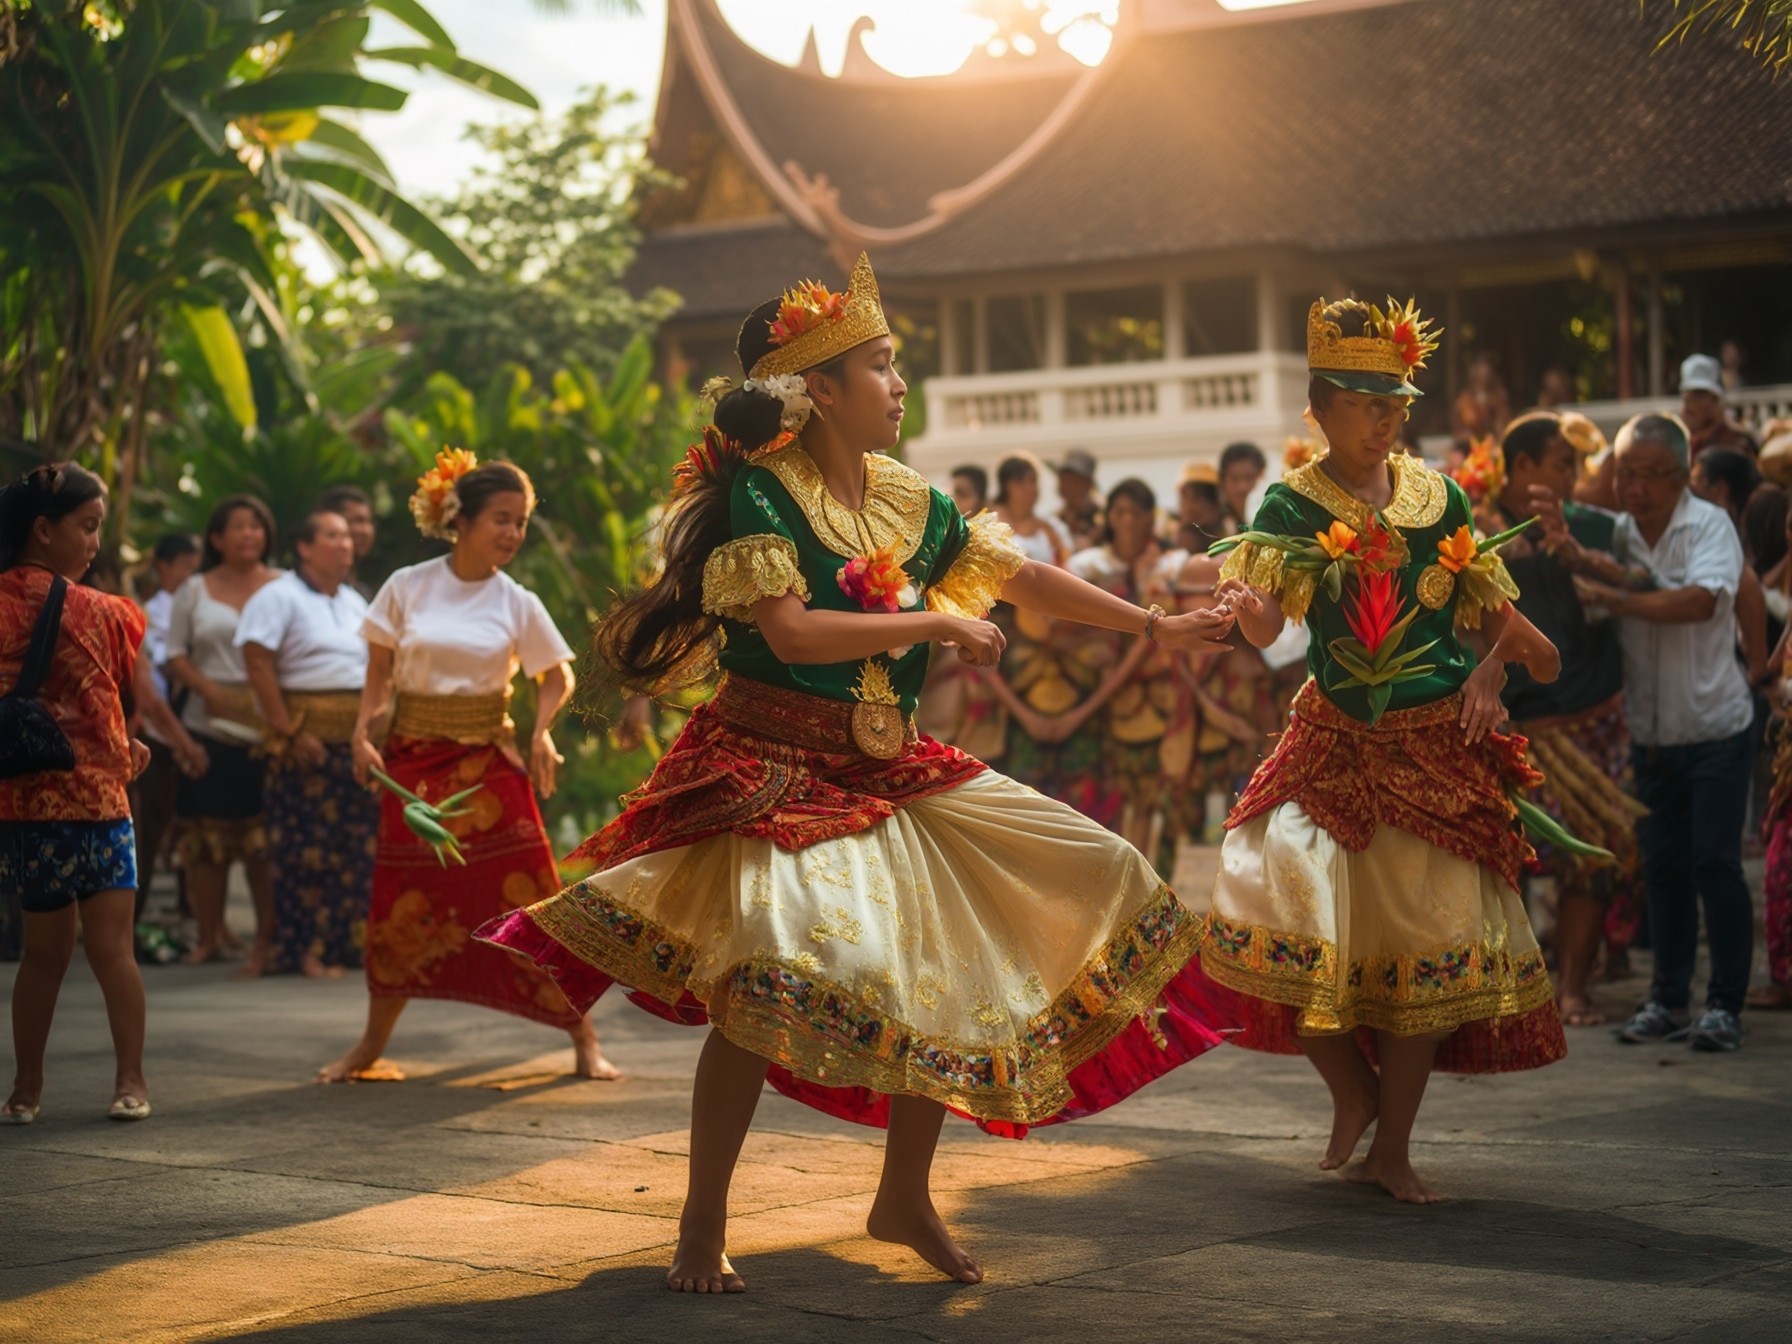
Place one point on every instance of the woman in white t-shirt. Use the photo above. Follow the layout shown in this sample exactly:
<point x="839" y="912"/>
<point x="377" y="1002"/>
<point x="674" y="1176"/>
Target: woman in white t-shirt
<point x="448" y="636"/>
<point x="220" y="811"/>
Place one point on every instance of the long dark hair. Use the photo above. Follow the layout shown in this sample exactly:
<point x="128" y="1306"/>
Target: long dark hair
<point x="51" y="491"/>
<point x="210" y="557"/>
<point x="660" y="635"/>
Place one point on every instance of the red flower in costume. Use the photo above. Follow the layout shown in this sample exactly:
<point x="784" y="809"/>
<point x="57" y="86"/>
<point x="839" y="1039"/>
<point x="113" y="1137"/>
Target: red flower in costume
<point x="1374" y="609"/>
<point x="876" y="582"/>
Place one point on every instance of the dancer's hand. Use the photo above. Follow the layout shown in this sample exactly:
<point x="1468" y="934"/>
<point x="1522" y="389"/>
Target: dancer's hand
<point x="1239" y="596"/>
<point x="544" y="763"/>
<point x="139" y="758"/>
<point x="979" y="643"/>
<point x="1482" y="710"/>
<point x="1202" y="631"/>
<point x="367" y="760"/>
<point x="308" y="750"/>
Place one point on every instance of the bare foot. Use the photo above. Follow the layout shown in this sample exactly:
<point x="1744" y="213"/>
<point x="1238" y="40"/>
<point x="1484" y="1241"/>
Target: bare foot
<point x="588" y="1057"/>
<point x="1350" y="1121"/>
<point x="1774" y="997"/>
<point x="257" y="963"/>
<point x="230" y="942"/>
<point x="1577" y="1010"/>
<point x="921" y="1230"/>
<point x="699" y="1265"/>
<point x="361" y="1065"/>
<point x="1397" y="1178"/>
<point x="201" y="953"/>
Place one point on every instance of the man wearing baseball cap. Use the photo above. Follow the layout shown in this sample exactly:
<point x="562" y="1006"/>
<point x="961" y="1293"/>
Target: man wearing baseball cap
<point x="1702" y="408"/>
<point x="1081" y="510"/>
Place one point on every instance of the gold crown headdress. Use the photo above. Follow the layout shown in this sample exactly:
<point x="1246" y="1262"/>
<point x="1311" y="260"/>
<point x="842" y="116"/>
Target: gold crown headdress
<point x="1391" y="347"/>
<point x="814" y="324"/>
<point x="435" y="504"/>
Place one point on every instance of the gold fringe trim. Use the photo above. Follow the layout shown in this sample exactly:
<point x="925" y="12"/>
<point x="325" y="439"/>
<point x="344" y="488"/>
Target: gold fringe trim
<point x="839" y="1037"/>
<point x="1483" y="586"/>
<point x="740" y="572"/>
<point x="329" y="716"/>
<point x="1265" y="567"/>
<point x="973" y="582"/>
<point x="1405" y="993"/>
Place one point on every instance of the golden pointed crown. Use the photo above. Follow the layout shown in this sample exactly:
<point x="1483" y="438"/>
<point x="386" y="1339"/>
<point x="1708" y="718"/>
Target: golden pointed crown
<point x="1391" y="348"/>
<point x="814" y="324"/>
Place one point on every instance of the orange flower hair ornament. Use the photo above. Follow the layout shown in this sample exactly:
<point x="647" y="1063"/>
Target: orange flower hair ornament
<point x="436" y="505"/>
<point x="805" y="307"/>
<point x="716" y="458"/>
<point x="1413" y="336"/>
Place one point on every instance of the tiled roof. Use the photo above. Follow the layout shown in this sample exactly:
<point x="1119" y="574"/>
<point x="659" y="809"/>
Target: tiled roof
<point x="726" y="272"/>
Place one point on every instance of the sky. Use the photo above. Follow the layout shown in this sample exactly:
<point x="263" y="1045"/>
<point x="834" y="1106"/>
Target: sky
<point x="554" y="56"/>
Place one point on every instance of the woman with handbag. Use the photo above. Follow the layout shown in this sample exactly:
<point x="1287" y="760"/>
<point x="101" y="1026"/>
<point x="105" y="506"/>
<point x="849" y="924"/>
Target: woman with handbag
<point x="66" y="757"/>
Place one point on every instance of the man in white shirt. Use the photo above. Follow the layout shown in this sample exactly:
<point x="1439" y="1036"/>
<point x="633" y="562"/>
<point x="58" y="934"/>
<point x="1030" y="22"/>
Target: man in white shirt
<point x="306" y="662"/>
<point x="1691" y="729"/>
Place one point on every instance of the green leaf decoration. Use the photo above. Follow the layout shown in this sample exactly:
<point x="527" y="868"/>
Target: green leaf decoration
<point x="1546" y="828"/>
<point x="1334" y="581"/>
<point x="1499" y="539"/>
<point x="1379" y="696"/>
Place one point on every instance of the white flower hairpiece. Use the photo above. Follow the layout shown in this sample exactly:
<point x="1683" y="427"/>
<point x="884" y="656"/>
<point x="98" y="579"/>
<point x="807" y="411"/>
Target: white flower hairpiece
<point x="793" y="390"/>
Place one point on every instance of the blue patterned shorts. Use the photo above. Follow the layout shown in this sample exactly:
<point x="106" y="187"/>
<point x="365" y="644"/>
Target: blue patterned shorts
<point x="53" y="864"/>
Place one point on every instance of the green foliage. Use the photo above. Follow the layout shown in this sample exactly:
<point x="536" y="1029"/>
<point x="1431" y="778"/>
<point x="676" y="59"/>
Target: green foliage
<point x="154" y="150"/>
<point x="1763" y="26"/>
<point x="552" y="219"/>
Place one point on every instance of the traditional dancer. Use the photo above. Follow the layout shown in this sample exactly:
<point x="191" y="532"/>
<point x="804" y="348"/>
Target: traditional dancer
<point x="66" y="844"/>
<point x="449" y="635"/>
<point x="882" y="924"/>
<point x="1369" y="877"/>
<point x="306" y="661"/>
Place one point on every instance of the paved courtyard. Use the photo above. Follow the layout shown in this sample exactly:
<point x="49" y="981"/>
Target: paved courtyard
<point x="1626" y="1194"/>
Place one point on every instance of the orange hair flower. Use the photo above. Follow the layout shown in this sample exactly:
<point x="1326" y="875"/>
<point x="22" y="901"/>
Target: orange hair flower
<point x="435" y="504"/>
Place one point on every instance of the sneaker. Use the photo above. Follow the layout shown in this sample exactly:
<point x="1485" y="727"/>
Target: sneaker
<point x="1718" y="1030"/>
<point x="1653" y="1022"/>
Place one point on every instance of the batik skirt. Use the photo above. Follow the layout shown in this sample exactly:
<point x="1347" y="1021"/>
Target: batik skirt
<point x="422" y="917"/>
<point x="919" y="925"/>
<point x="323" y="831"/>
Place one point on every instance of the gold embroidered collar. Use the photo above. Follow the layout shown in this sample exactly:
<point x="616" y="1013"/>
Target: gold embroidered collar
<point x="897" y="501"/>
<point x="1418" y="501"/>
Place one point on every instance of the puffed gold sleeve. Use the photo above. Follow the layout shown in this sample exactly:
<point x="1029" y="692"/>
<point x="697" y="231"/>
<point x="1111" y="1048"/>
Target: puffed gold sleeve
<point x="1264" y="567"/>
<point x="740" y="572"/>
<point x="973" y="581"/>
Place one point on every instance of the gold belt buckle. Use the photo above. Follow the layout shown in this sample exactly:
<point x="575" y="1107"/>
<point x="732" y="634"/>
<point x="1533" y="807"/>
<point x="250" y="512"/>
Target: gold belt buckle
<point x="877" y="730"/>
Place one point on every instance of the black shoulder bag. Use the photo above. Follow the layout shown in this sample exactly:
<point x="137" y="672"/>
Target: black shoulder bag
<point x="30" y="741"/>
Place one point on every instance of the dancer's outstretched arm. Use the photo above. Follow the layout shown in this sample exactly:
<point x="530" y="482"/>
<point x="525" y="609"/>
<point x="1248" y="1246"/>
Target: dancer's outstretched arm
<point x="1061" y="594"/>
<point x="799" y="634"/>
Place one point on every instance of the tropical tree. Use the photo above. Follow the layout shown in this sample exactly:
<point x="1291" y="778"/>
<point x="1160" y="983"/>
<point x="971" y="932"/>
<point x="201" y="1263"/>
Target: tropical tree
<point x="552" y="218"/>
<point x="157" y="152"/>
<point x="1764" y="26"/>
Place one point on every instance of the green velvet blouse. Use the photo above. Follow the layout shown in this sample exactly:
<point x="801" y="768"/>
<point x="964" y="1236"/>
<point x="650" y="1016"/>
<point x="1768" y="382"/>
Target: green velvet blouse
<point x="790" y="535"/>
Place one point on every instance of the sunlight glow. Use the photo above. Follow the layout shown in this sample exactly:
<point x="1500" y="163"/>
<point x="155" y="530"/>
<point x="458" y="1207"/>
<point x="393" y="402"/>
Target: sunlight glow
<point x="915" y="38"/>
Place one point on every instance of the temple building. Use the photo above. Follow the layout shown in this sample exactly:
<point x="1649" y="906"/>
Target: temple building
<point x="1119" y="256"/>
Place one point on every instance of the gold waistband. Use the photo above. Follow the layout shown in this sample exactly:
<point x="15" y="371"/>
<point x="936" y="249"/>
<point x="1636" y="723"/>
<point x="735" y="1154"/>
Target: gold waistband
<point x="813" y="722"/>
<point x="328" y="715"/>
<point x="471" y="719"/>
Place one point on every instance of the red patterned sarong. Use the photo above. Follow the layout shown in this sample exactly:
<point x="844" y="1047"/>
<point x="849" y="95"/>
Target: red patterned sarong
<point x="421" y="922"/>
<point x="1410" y="770"/>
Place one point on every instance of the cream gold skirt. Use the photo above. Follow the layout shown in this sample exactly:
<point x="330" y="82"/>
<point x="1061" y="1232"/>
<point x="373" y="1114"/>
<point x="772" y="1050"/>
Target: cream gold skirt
<point x="977" y="948"/>
<point x="1401" y="937"/>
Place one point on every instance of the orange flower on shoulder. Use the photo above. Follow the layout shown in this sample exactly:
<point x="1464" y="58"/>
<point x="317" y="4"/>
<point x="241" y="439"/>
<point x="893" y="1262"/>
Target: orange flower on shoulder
<point x="1338" y="540"/>
<point x="1456" y="553"/>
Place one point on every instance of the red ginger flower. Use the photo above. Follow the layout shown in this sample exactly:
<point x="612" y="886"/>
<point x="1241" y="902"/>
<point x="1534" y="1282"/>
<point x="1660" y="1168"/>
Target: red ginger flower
<point x="1375" y="607"/>
<point x="1374" y="547"/>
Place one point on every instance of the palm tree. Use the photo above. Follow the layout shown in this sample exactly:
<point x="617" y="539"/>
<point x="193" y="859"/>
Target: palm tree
<point x="1765" y="26"/>
<point x="163" y="151"/>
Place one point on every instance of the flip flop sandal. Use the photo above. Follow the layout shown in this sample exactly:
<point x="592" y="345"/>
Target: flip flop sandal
<point x="20" y="1115"/>
<point x="128" y="1108"/>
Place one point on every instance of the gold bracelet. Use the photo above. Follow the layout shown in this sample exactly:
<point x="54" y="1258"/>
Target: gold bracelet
<point x="1153" y="614"/>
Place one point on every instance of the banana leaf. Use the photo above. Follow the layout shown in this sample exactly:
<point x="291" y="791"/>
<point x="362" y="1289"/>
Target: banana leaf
<point x="1546" y="828"/>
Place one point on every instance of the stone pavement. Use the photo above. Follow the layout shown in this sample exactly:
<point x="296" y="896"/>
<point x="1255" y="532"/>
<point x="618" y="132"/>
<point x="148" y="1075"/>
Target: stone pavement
<point x="1627" y="1194"/>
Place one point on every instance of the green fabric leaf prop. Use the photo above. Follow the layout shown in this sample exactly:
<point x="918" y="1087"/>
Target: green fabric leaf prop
<point x="1547" y="829"/>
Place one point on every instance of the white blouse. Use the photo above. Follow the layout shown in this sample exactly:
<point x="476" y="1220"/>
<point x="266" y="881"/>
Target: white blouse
<point x="452" y="637"/>
<point x="315" y="638"/>
<point x="203" y="630"/>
